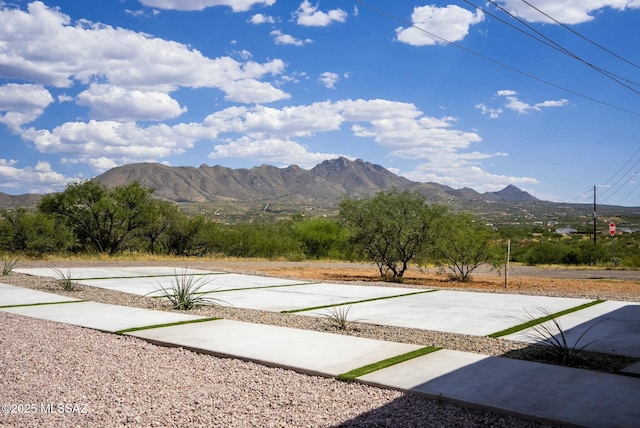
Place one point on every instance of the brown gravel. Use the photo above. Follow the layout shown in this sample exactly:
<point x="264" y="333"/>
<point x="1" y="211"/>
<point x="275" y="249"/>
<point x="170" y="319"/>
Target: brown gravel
<point x="43" y="362"/>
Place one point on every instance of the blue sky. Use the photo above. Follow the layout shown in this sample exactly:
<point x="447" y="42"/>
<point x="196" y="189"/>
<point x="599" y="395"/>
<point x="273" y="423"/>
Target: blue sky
<point x="541" y="94"/>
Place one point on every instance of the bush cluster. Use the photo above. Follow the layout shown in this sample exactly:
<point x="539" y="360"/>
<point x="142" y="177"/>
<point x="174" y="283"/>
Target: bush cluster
<point x="391" y="229"/>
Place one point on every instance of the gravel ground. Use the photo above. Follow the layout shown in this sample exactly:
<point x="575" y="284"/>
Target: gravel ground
<point x="45" y="366"/>
<point x="102" y="380"/>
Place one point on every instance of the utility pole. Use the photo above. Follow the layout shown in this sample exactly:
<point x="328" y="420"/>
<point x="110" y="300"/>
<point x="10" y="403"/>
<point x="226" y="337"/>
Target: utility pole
<point x="594" y="215"/>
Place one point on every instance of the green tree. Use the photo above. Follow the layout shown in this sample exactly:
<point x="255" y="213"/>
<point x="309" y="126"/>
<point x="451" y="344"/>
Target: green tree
<point x="33" y="233"/>
<point x="463" y="244"/>
<point x="189" y="236"/>
<point x="320" y="237"/>
<point x="101" y="219"/>
<point x="158" y="220"/>
<point x="391" y="228"/>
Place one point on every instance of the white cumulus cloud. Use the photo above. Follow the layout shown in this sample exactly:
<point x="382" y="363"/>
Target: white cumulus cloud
<point x="21" y="104"/>
<point x="309" y="15"/>
<point x="38" y="179"/>
<point x="287" y="39"/>
<point x="259" y="18"/>
<point x="113" y="102"/>
<point x="329" y="79"/>
<point x="448" y="24"/>
<point x="515" y="104"/>
<point x="42" y="46"/>
<point x="565" y="11"/>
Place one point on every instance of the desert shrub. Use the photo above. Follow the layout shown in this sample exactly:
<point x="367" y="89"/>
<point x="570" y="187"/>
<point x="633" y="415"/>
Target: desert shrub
<point x="33" y="233"/>
<point x="320" y="238"/>
<point x="8" y="265"/>
<point x="189" y="236"/>
<point x="185" y="293"/>
<point x="551" y="336"/>
<point x="547" y="252"/>
<point x="463" y="244"/>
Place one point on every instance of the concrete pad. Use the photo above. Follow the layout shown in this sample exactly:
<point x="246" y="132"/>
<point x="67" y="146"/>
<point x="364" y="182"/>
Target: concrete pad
<point x="109" y="272"/>
<point x="305" y="351"/>
<point x="143" y="286"/>
<point x="11" y="295"/>
<point x="544" y="391"/>
<point x="305" y="296"/>
<point x="613" y="328"/>
<point x="458" y="311"/>
<point x="232" y="281"/>
<point x="100" y="316"/>
<point x="632" y="370"/>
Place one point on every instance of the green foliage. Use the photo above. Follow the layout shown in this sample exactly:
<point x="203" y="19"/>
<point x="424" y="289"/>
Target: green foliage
<point x="101" y="219"/>
<point x="189" y="236"/>
<point x="33" y="233"/>
<point x="379" y="365"/>
<point x="555" y="251"/>
<point x="259" y="240"/>
<point x="321" y="237"/>
<point x="184" y="292"/>
<point x="391" y="228"/>
<point x="159" y="219"/>
<point x="463" y="244"/>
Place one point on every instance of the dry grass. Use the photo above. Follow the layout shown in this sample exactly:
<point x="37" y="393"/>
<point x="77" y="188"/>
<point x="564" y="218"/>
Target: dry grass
<point x="611" y="288"/>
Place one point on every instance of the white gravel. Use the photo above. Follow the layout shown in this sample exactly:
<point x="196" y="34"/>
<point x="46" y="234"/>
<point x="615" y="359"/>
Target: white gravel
<point x="67" y="376"/>
<point x="70" y="376"/>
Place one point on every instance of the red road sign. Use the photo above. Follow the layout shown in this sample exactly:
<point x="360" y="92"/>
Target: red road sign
<point x="612" y="228"/>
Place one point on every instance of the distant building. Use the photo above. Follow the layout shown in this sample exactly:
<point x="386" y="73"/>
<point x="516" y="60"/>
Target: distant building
<point x="566" y="231"/>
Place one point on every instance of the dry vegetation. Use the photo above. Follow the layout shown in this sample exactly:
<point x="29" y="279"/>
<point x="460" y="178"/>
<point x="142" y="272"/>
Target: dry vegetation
<point x="597" y="286"/>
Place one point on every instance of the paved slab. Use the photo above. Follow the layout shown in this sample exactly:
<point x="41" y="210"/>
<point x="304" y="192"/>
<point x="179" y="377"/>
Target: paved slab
<point x="11" y="295"/>
<point x="302" y="350"/>
<point x="613" y="328"/>
<point x="306" y="296"/>
<point x="544" y="391"/>
<point x="108" y="272"/>
<point x="457" y="311"/>
<point x="100" y="316"/>
<point x="632" y="370"/>
<point x="209" y="283"/>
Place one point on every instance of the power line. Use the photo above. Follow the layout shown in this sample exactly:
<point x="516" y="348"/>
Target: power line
<point x="608" y="74"/>
<point x="566" y="27"/>
<point x="494" y="61"/>
<point x="516" y="70"/>
<point x="606" y="198"/>
<point x="623" y="166"/>
<point x="582" y="196"/>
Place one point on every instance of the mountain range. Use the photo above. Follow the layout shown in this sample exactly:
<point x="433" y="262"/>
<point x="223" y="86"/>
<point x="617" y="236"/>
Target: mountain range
<point x="323" y="185"/>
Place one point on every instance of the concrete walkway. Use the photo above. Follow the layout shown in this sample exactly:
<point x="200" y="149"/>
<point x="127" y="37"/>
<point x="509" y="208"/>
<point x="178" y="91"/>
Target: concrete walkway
<point x="532" y="390"/>
<point x="611" y="327"/>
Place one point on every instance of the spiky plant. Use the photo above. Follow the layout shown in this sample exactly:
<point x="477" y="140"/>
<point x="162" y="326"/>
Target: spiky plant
<point x="65" y="280"/>
<point x="184" y="292"/>
<point x="337" y="317"/>
<point x="8" y="266"/>
<point x="553" y="339"/>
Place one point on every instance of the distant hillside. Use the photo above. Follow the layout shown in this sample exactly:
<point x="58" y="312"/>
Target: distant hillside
<point x="325" y="184"/>
<point x="18" y="201"/>
<point x="510" y="194"/>
<point x="285" y="189"/>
